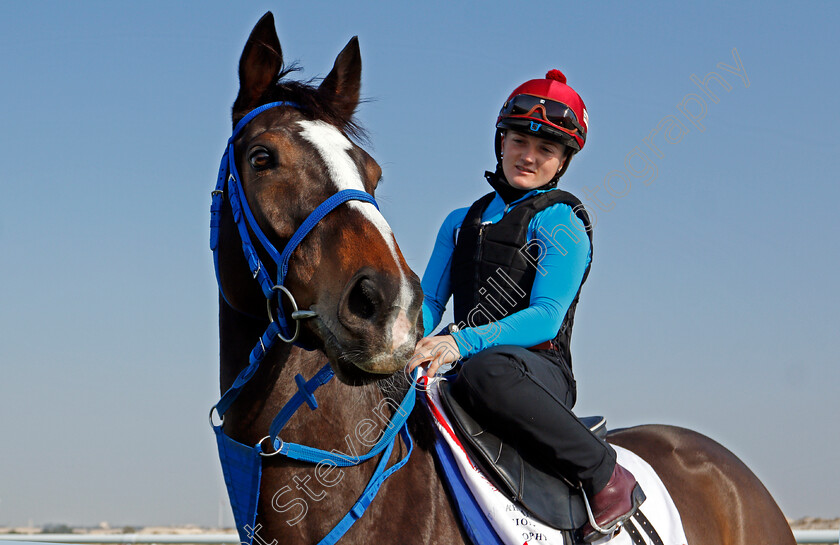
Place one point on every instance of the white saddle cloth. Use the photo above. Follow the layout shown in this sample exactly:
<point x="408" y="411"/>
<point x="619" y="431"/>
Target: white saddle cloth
<point x="515" y="526"/>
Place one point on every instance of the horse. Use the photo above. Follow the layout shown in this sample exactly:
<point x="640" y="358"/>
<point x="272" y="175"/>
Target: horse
<point x="295" y="145"/>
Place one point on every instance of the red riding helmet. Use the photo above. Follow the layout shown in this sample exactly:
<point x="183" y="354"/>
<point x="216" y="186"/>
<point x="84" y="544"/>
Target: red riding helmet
<point x="547" y="108"/>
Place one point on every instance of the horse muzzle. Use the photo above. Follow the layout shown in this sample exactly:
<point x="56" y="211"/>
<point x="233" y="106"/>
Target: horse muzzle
<point x="373" y="328"/>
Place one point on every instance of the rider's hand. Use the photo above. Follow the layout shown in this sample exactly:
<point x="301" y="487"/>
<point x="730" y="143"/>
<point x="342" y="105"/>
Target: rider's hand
<point x="434" y="351"/>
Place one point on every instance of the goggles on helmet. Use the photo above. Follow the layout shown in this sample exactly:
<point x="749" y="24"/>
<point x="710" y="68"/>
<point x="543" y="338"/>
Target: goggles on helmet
<point x="555" y="113"/>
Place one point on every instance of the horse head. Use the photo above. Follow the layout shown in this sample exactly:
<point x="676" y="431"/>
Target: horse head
<point x="348" y="270"/>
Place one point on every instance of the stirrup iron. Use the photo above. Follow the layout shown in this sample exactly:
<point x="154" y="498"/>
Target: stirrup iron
<point x="638" y="497"/>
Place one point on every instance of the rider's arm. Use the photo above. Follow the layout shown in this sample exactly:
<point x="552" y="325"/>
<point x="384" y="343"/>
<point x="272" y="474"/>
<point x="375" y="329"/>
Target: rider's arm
<point x="555" y="286"/>
<point x="436" y="283"/>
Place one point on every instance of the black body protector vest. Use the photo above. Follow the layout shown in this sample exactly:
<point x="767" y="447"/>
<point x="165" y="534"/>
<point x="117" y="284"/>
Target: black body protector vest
<point x="494" y="264"/>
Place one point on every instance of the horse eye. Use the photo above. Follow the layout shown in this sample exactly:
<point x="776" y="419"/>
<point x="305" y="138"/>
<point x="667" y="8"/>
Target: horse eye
<point x="260" y="158"/>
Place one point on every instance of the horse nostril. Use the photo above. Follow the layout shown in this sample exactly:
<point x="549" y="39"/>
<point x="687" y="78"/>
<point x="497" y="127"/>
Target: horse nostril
<point x="363" y="299"/>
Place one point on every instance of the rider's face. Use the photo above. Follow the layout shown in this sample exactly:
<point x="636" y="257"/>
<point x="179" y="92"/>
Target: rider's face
<point x="530" y="162"/>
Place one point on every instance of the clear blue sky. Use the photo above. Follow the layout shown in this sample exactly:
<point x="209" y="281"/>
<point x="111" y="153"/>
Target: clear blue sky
<point x="712" y="302"/>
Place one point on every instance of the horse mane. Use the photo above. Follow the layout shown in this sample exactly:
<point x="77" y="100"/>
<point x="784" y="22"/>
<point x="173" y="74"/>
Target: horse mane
<point x="313" y="104"/>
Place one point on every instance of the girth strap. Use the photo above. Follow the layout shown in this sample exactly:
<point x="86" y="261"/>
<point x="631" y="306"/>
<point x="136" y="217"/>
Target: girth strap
<point x="645" y="524"/>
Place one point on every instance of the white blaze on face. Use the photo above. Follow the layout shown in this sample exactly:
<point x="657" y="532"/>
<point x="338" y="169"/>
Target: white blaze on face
<point x="334" y="148"/>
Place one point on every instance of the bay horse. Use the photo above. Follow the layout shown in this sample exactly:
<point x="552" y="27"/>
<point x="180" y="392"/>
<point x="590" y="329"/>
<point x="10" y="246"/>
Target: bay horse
<point x="361" y="310"/>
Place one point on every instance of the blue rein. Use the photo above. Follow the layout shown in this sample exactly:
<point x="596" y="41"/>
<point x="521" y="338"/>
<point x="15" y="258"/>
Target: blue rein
<point x="242" y="464"/>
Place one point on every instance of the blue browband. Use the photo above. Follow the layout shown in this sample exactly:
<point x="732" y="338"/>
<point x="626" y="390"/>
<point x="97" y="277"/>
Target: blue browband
<point x="242" y="464"/>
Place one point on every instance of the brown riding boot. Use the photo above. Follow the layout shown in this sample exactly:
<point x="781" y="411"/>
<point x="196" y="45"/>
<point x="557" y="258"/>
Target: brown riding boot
<point x="614" y="504"/>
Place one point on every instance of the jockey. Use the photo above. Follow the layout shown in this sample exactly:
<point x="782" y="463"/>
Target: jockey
<point x="515" y="262"/>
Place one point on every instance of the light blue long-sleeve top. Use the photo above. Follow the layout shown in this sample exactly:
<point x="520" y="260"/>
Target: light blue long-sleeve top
<point x="559" y="239"/>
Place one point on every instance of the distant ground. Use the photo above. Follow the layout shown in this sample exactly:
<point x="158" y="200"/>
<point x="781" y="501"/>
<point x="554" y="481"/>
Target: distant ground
<point x="805" y="523"/>
<point x="104" y="528"/>
<point x="813" y="523"/>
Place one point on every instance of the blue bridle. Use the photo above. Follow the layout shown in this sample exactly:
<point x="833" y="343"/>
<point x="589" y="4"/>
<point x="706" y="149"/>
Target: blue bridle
<point x="244" y="219"/>
<point x="242" y="464"/>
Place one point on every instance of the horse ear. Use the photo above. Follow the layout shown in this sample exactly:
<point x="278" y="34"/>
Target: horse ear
<point x="342" y="84"/>
<point x="261" y="62"/>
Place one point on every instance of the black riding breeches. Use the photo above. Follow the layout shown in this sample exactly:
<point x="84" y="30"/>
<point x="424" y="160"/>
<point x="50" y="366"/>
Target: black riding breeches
<point x="525" y="397"/>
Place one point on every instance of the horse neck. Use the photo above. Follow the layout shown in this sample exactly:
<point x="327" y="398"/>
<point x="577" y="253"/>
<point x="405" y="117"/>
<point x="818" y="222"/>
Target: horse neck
<point x="300" y="503"/>
<point x="250" y="416"/>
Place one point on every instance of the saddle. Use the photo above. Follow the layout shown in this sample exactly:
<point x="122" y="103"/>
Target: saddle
<point x="549" y="498"/>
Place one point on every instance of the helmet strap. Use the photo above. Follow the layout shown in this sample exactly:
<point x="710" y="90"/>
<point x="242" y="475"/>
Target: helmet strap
<point x="569" y="154"/>
<point x="507" y="192"/>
